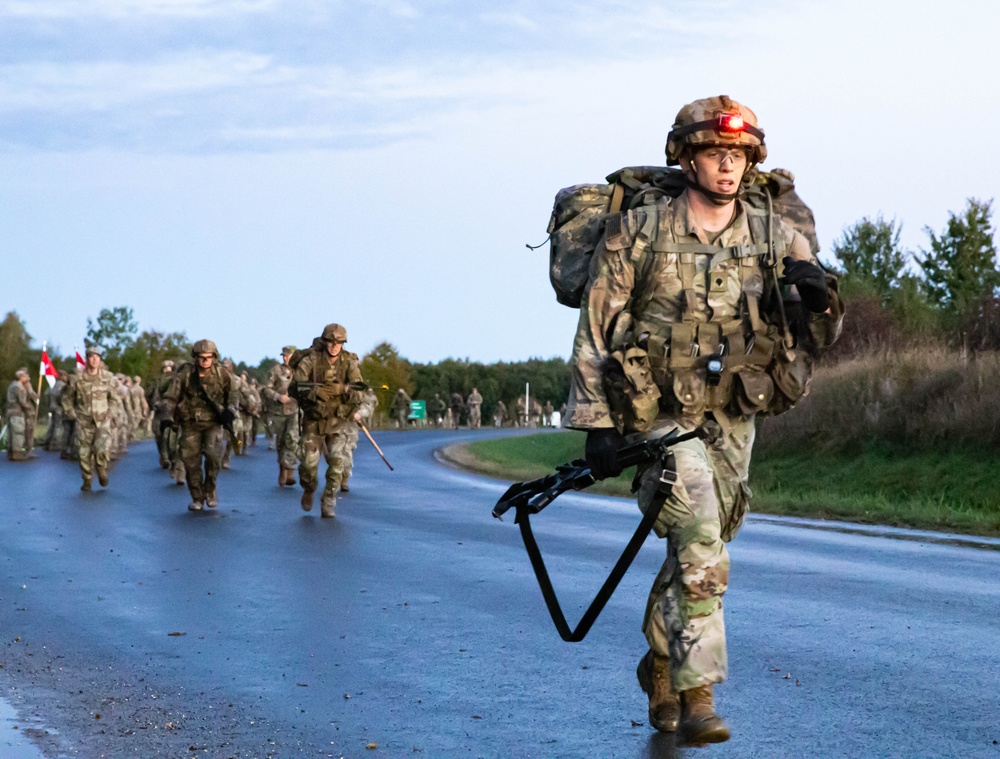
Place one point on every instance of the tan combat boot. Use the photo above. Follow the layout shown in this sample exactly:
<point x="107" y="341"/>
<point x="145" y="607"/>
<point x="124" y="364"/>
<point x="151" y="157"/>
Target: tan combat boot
<point x="664" y="703"/>
<point x="343" y="485"/>
<point x="194" y="506"/>
<point x="102" y="477"/>
<point x="281" y="476"/>
<point x="307" y="500"/>
<point x="290" y="476"/>
<point x="700" y="725"/>
<point x="328" y="507"/>
<point x="213" y="499"/>
<point x="86" y="487"/>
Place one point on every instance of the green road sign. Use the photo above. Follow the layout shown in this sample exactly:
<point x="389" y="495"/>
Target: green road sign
<point x="418" y="410"/>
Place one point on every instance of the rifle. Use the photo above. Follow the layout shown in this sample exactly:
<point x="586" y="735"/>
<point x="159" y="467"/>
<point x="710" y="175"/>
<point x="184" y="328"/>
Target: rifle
<point x="223" y="416"/>
<point x="531" y="497"/>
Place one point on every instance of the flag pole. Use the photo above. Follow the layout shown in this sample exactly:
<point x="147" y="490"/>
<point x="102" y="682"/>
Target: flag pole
<point x="38" y="403"/>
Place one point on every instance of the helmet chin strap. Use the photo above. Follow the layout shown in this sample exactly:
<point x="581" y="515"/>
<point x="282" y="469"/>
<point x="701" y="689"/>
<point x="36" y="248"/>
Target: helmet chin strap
<point x="718" y="198"/>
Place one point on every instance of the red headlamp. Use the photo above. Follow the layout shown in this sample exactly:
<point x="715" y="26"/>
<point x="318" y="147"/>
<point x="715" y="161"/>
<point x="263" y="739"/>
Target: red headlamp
<point x="730" y="123"/>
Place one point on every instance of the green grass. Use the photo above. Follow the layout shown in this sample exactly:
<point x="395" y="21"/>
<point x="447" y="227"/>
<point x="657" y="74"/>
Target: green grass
<point x="951" y="491"/>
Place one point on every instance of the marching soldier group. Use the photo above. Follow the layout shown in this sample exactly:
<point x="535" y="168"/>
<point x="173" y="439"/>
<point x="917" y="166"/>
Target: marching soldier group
<point x="201" y="412"/>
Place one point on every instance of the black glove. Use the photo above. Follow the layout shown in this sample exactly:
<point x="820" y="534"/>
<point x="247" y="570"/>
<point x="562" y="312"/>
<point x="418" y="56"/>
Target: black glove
<point x="228" y="416"/>
<point x="810" y="280"/>
<point x="602" y="452"/>
<point x="165" y="424"/>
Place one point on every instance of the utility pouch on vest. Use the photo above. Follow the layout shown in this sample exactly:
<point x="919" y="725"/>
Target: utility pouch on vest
<point x="755" y="390"/>
<point x="689" y="389"/>
<point x="791" y="372"/>
<point x="633" y="397"/>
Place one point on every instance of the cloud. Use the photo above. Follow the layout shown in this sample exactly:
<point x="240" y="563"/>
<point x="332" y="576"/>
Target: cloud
<point x="54" y="10"/>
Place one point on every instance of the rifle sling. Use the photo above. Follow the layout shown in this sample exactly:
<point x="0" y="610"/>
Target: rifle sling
<point x="609" y="586"/>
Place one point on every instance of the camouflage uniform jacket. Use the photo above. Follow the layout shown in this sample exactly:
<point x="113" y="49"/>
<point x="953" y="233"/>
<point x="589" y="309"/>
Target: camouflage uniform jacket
<point x="20" y="400"/>
<point x="137" y="399"/>
<point x="154" y="395"/>
<point x="277" y="385"/>
<point x="666" y="296"/>
<point x="184" y="397"/>
<point x="329" y="392"/>
<point x="91" y="397"/>
<point x="475" y="399"/>
<point x="55" y="393"/>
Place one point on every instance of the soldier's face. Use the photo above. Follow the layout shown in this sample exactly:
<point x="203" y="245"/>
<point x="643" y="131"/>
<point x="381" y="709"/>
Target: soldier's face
<point x="720" y="169"/>
<point x="333" y="348"/>
<point x="205" y="361"/>
<point x="285" y="357"/>
<point x="93" y="361"/>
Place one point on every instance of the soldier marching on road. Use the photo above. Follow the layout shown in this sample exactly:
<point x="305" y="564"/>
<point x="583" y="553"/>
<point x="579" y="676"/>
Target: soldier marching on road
<point x="475" y="404"/>
<point x="203" y="398"/>
<point x="328" y="386"/>
<point x="400" y="408"/>
<point x="21" y="404"/>
<point x="367" y="412"/>
<point x="91" y="399"/>
<point x="708" y="342"/>
<point x="284" y="419"/>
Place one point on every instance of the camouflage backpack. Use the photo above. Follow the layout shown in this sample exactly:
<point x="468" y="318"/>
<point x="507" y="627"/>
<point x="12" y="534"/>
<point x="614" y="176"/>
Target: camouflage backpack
<point x="579" y="213"/>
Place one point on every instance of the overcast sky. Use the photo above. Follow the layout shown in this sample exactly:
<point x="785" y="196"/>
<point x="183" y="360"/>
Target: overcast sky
<point x="250" y="170"/>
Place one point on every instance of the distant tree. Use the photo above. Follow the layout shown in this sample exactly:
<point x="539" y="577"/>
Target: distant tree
<point x="386" y="371"/>
<point x="15" y="346"/>
<point x="113" y="332"/>
<point x="871" y="257"/>
<point x="147" y="353"/>
<point x="960" y="269"/>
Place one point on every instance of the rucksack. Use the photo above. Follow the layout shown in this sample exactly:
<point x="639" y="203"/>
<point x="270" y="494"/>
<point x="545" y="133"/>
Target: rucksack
<point x="580" y="212"/>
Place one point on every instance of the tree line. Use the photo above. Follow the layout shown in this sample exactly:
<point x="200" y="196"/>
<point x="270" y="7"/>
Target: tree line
<point x="141" y="354"/>
<point x="944" y="294"/>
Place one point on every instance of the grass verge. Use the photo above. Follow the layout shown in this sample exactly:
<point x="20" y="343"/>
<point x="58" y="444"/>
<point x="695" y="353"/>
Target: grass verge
<point x="948" y="491"/>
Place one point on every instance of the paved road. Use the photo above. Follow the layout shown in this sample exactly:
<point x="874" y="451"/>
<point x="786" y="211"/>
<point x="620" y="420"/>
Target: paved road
<point x="413" y="621"/>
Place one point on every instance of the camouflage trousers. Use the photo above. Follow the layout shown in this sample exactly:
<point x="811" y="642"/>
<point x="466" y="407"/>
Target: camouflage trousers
<point x="55" y="438"/>
<point x="238" y="430"/>
<point x="17" y="437"/>
<point x="352" y="446"/>
<point x="163" y="442"/>
<point x="475" y="417"/>
<point x="94" y="441"/>
<point x="286" y="433"/>
<point x="198" y="442"/>
<point x="400" y="417"/>
<point x="702" y="512"/>
<point x="335" y="447"/>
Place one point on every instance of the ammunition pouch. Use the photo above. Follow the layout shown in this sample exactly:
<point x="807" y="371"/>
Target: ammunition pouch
<point x="633" y="397"/>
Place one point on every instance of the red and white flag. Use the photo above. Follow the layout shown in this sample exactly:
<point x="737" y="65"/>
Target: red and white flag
<point x="80" y="363"/>
<point x="46" y="369"/>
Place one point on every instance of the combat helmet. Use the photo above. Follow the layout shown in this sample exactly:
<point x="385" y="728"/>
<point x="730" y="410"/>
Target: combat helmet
<point x="167" y="364"/>
<point x="288" y="350"/>
<point x="334" y="333"/>
<point x="715" y="121"/>
<point x="204" y="346"/>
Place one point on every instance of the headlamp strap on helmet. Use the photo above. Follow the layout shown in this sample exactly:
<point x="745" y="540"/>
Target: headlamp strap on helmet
<point x="724" y="123"/>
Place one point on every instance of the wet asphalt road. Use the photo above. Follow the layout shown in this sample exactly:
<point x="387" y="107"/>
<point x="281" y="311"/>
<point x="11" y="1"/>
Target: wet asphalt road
<point x="413" y="621"/>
